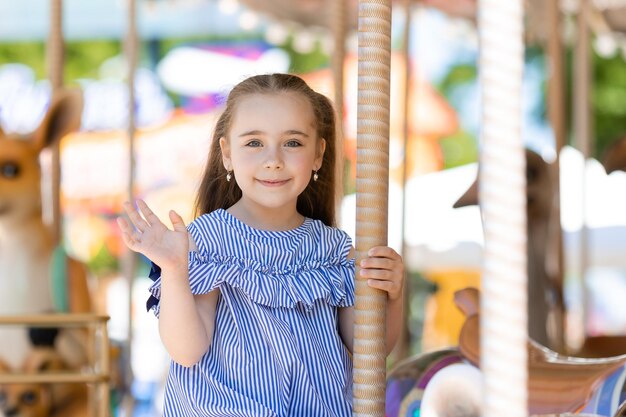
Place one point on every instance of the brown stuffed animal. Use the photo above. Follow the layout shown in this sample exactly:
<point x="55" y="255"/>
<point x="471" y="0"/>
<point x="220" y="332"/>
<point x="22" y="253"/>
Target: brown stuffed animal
<point x="26" y="245"/>
<point x="42" y="400"/>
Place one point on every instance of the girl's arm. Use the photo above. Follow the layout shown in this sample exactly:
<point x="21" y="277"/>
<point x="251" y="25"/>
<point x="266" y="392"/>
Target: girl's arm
<point x="384" y="270"/>
<point x="186" y="321"/>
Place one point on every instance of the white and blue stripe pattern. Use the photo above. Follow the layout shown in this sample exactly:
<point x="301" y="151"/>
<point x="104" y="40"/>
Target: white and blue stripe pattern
<point x="276" y="350"/>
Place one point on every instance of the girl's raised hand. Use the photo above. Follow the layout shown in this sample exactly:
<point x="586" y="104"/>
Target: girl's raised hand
<point x="384" y="270"/>
<point x="146" y="234"/>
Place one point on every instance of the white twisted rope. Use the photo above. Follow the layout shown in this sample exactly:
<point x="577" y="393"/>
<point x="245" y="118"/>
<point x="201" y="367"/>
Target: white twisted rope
<point x="503" y="200"/>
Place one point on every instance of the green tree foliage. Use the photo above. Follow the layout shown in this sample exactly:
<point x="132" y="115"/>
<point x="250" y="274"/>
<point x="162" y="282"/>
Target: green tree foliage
<point x="462" y="147"/>
<point x="31" y="54"/>
<point x="459" y="149"/>
<point x="608" y="101"/>
<point x="82" y="59"/>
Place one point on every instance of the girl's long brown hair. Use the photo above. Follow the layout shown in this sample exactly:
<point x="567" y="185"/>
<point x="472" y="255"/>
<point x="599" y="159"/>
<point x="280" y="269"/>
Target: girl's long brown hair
<point x="317" y="201"/>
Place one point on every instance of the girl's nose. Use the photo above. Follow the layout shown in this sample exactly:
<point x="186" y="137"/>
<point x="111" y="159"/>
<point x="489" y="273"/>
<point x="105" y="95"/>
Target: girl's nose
<point x="273" y="160"/>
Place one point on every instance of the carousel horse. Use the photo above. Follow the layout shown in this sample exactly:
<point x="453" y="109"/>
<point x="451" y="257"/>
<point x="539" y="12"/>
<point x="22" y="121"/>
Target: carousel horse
<point x="447" y="382"/>
<point x="35" y="276"/>
<point x="543" y="283"/>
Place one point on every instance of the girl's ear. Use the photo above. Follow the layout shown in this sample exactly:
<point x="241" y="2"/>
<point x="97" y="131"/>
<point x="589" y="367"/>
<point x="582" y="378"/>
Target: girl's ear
<point x="321" y="147"/>
<point x="225" y="147"/>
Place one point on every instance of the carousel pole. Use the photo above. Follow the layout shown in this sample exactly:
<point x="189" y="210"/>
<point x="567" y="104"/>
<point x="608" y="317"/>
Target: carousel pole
<point x="130" y="259"/>
<point x="404" y="343"/>
<point x="340" y="29"/>
<point x="372" y="188"/>
<point x="556" y="71"/>
<point x="503" y="319"/>
<point x="583" y="139"/>
<point x="556" y="113"/>
<point x="55" y="59"/>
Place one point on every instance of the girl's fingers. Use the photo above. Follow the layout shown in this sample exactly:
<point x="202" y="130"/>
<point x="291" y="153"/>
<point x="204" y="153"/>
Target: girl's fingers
<point x="383" y="252"/>
<point x="383" y="269"/>
<point x="129" y="234"/>
<point x="123" y="224"/>
<point x="135" y="217"/>
<point x="147" y="213"/>
<point x="381" y="285"/>
<point x="379" y="274"/>
<point x="177" y="222"/>
<point x="389" y="287"/>
<point x="378" y="263"/>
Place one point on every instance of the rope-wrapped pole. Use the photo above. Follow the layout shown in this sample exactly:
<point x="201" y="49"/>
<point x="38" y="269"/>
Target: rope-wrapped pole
<point x="372" y="187"/>
<point x="503" y="334"/>
<point x="55" y="58"/>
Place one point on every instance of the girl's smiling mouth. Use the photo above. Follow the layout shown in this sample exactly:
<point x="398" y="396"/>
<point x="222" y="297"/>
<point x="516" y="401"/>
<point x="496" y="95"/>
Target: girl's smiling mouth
<point x="273" y="183"/>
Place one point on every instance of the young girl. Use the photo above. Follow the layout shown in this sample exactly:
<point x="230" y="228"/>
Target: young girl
<point x="255" y="296"/>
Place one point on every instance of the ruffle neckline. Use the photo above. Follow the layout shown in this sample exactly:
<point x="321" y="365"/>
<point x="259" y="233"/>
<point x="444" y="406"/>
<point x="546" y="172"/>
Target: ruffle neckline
<point x="237" y="224"/>
<point x="304" y="282"/>
<point x="286" y="287"/>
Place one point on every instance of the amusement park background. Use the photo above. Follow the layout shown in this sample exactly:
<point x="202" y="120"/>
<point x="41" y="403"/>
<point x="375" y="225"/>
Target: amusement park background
<point x="193" y="51"/>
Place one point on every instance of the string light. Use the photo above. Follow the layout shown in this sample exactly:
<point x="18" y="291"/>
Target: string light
<point x="276" y="33"/>
<point x="304" y="41"/>
<point x="228" y="7"/>
<point x="605" y="45"/>
<point x="248" y="20"/>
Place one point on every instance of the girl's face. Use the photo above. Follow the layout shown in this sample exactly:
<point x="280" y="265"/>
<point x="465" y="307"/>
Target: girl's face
<point x="272" y="149"/>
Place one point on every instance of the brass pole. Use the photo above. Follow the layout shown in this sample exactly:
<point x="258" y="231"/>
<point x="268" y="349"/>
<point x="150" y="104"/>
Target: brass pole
<point x="556" y="113"/>
<point x="130" y="258"/>
<point x="404" y="343"/>
<point x="339" y="26"/>
<point x="583" y="138"/>
<point x="55" y="59"/>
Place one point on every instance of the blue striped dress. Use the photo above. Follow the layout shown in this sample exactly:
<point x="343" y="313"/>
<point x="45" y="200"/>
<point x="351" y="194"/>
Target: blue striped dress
<point x="276" y="349"/>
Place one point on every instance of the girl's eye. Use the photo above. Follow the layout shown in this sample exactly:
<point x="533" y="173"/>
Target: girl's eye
<point x="293" y="143"/>
<point x="254" y="143"/>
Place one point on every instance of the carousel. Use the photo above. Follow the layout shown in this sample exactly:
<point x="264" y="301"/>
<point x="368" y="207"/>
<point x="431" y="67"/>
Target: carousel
<point x="513" y="354"/>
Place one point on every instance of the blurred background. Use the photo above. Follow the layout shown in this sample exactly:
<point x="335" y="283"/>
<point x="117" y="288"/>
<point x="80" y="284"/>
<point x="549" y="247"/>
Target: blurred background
<point x="191" y="52"/>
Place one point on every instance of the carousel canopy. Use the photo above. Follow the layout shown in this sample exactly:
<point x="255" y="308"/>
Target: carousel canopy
<point x="104" y="19"/>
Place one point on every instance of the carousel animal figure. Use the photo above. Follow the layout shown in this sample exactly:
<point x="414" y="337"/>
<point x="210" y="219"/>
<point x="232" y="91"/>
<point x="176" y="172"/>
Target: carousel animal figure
<point x="35" y="276"/>
<point x="447" y="382"/>
<point x="545" y="294"/>
<point x="544" y="283"/>
<point x="42" y="400"/>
